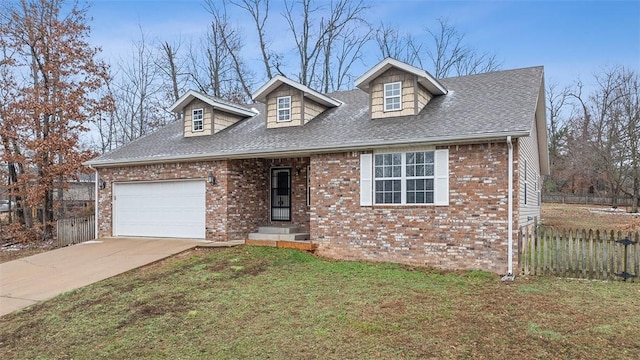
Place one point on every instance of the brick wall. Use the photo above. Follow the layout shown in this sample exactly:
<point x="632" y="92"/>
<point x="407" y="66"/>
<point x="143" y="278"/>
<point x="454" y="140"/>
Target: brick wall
<point x="235" y="206"/>
<point x="299" y="208"/>
<point x="216" y="196"/>
<point x="470" y="233"/>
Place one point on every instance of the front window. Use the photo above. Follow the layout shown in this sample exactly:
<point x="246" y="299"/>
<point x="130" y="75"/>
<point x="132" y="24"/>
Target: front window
<point x="284" y="108"/>
<point x="404" y="178"/>
<point x="393" y="96"/>
<point x="197" y="118"/>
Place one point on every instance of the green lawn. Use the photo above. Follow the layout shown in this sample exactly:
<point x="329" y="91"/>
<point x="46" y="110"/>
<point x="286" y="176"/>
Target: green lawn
<point x="251" y="302"/>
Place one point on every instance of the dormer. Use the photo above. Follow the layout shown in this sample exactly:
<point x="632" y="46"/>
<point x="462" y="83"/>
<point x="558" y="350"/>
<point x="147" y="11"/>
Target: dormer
<point x="289" y="103"/>
<point x="206" y="115"/>
<point x="398" y="89"/>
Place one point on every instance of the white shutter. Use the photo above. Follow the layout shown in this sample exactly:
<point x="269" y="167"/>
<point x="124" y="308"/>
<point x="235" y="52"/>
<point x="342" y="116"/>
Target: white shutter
<point x="441" y="187"/>
<point x="366" y="179"/>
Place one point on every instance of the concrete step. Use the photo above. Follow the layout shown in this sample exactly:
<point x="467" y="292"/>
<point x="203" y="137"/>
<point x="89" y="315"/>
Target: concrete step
<point x="289" y="229"/>
<point x="279" y="237"/>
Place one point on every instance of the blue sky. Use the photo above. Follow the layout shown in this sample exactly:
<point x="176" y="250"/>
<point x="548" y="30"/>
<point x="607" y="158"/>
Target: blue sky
<point x="570" y="38"/>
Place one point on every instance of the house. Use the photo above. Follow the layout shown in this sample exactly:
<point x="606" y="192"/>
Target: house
<point x="404" y="168"/>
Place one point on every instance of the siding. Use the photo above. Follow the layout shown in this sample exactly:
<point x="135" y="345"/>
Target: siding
<point x="311" y="110"/>
<point x="412" y="95"/>
<point x="222" y="120"/>
<point x="207" y="128"/>
<point x="272" y="107"/>
<point x="528" y="152"/>
<point x="423" y="98"/>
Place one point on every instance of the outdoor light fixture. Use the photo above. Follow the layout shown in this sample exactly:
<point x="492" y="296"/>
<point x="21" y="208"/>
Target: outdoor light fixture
<point x="211" y="179"/>
<point x="103" y="185"/>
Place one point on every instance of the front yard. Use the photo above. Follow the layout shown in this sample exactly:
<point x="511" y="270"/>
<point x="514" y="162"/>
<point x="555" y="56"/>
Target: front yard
<point x="250" y="302"/>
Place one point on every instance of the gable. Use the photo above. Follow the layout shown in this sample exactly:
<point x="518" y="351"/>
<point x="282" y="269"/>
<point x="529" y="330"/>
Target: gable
<point x="414" y="97"/>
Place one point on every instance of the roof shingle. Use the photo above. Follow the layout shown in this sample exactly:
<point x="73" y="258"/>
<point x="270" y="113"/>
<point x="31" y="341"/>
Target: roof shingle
<point x="479" y="106"/>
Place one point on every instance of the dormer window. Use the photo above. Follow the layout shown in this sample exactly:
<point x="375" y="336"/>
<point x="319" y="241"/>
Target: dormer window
<point x="197" y="120"/>
<point x="284" y="108"/>
<point x="393" y="96"/>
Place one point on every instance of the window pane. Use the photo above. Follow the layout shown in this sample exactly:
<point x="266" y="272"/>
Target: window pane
<point x="397" y="159"/>
<point x="410" y="170"/>
<point x="396" y="198"/>
<point x="429" y="198"/>
<point x="428" y="170"/>
<point x="411" y="198"/>
<point x="378" y="159"/>
<point x="420" y="158"/>
<point x="411" y="158"/>
<point x="428" y="157"/>
<point x="411" y="185"/>
<point x="387" y="171"/>
<point x="379" y="198"/>
<point x="420" y="184"/>
<point x="388" y="198"/>
<point x="378" y="172"/>
<point x="429" y="184"/>
<point x="420" y="198"/>
<point x="396" y="185"/>
<point x="397" y="171"/>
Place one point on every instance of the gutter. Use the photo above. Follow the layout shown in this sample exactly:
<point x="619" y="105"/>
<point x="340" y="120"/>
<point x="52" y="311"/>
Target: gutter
<point x="95" y="200"/>
<point x="448" y="140"/>
<point x="510" y="276"/>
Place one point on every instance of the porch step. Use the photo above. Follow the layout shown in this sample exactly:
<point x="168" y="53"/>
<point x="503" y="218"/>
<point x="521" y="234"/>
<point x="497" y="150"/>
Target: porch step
<point x="288" y="229"/>
<point x="288" y="244"/>
<point x="279" y="236"/>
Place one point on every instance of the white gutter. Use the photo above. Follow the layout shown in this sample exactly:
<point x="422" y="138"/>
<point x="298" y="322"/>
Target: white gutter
<point x="510" y="275"/>
<point x="445" y="140"/>
<point x="95" y="206"/>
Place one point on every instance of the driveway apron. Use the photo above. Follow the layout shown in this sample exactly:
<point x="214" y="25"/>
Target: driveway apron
<point x="36" y="278"/>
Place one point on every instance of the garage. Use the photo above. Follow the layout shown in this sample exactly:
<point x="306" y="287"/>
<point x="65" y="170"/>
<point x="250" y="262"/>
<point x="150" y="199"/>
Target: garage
<point x="170" y="209"/>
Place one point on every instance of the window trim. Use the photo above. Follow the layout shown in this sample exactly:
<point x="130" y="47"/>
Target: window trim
<point x="404" y="178"/>
<point x="193" y="120"/>
<point x="279" y="109"/>
<point x="386" y="98"/>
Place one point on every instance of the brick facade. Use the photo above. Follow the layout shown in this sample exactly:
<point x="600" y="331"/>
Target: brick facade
<point x="470" y="233"/>
<point x="235" y="206"/>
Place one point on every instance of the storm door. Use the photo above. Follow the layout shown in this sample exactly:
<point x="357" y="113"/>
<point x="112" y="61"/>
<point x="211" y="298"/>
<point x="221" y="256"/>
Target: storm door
<point x="281" y="194"/>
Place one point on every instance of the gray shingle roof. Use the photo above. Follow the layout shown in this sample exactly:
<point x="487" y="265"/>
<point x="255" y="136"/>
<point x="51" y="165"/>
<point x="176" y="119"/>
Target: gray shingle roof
<point x="480" y="106"/>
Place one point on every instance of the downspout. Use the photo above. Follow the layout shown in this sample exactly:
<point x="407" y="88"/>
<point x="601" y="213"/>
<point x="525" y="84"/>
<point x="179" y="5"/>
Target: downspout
<point x="95" y="200"/>
<point x="510" y="275"/>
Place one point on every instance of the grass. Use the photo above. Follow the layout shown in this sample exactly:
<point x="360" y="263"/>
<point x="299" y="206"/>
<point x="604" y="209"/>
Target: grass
<point x="572" y="216"/>
<point x="251" y="302"/>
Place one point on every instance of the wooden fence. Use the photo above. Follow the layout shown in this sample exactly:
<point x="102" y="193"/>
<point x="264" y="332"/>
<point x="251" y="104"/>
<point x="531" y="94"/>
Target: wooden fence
<point x="585" y="199"/>
<point x="580" y="253"/>
<point x="75" y="230"/>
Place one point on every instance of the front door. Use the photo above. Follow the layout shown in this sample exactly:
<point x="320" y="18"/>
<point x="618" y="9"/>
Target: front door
<point x="281" y="194"/>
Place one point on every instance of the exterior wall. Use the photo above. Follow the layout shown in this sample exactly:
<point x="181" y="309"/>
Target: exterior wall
<point x="299" y="208"/>
<point x="216" y="195"/>
<point x="411" y="94"/>
<point x="470" y="233"/>
<point x="528" y="151"/>
<point x="272" y="107"/>
<point x="222" y="120"/>
<point x="235" y="206"/>
<point x="207" y="115"/>
<point x="424" y="97"/>
<point x="248" y="197"/>
<point x="311" y="110"/>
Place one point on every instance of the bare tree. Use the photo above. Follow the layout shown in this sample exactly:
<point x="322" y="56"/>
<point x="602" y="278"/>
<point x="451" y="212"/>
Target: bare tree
<point x="315" y="42"/>
<point x="259" y="11"/>
<point x="445" y="48"/>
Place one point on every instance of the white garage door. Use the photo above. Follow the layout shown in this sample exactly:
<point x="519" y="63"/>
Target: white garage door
<point x="172" y="209"/>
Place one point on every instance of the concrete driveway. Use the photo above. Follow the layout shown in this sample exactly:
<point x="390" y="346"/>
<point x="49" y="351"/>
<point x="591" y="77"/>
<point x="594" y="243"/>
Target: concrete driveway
<point x="29" y="280"/>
